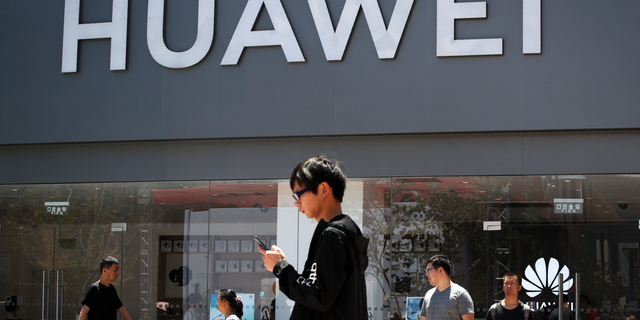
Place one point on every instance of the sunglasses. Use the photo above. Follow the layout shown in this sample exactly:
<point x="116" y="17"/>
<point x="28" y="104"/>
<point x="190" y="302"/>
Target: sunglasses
<point x="296" y="195"/>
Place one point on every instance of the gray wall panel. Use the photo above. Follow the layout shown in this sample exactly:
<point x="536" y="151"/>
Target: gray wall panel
<point x="581" y="153"/>
<point x="364" y="156"/>
<point x="103" y="162"/>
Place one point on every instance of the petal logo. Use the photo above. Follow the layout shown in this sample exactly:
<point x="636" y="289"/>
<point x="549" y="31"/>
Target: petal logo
<point x="545" y="278"/>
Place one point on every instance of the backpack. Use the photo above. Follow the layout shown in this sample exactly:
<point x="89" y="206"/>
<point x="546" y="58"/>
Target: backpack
<point x="525" y="308"/>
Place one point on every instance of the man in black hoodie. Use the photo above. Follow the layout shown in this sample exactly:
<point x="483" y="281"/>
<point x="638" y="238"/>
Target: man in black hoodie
<point x="332" y="284"/>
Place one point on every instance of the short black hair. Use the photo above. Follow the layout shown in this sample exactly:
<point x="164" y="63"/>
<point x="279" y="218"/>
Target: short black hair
<point x="512" y="274"/>
<point x="441" y="261"/>
<point x="107" y="262"/>
<point x="311" y="172"/>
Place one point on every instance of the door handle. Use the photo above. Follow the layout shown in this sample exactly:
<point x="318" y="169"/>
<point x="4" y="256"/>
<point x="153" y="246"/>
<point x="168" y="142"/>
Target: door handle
<point x="577" y="289"/>
<point x="57" y="294"/>
<point x="43" y="287"/>
<point x="45" y="294"/>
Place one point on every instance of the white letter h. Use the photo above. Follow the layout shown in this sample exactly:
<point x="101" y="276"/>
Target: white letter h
<point x="74" y="32"/>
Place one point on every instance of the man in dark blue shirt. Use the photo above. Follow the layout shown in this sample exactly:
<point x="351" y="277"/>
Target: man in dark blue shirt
<point x="101" y="301"/>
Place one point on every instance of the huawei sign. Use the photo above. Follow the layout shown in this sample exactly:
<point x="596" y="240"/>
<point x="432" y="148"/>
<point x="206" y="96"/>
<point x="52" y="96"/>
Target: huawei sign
<point x="386" y="37"/>
<point x="544" y="277"/>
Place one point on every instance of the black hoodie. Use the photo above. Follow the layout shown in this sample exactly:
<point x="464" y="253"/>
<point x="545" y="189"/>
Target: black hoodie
<point x="332" y="285"/>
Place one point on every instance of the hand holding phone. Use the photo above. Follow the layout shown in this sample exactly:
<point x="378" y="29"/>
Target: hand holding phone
<point x="270" y="256"/>
<point x="260" y="243"/>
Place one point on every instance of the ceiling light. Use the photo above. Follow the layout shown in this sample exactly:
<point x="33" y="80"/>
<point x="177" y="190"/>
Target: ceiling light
<point x="14" y="190"/>
<point x="598" y="205"/>
<point x="567" y="180"/>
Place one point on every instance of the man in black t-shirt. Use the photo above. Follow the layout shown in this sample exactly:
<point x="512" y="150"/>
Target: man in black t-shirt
<point x="510" y="308"/>
<point x="101" y="301"/>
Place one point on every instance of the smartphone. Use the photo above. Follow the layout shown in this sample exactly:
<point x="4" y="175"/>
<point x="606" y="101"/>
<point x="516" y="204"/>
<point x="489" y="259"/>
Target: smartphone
<point x="260" y="243"/>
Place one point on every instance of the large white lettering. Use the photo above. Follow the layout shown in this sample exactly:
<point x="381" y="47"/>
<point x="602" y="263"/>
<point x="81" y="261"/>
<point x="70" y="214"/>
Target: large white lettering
<point x="447" y="46"/>
<point x="74" y="32"/>
<point x="282" y="35"/>
<point x="385" y="40"/>
<point x="531" y="26"/>
<point x="334" y="42"/>
<point x="155" y="36"/>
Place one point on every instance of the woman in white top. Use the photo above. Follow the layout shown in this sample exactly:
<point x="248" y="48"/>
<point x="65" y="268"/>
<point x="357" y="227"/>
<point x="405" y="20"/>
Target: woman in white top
<point x="230" y="304"/>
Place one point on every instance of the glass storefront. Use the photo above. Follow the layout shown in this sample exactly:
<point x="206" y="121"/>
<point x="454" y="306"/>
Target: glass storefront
<point x="180" y="242"/>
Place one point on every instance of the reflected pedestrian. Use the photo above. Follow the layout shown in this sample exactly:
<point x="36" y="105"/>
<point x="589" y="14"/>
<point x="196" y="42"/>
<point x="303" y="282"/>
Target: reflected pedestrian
<point x="590" y="313"/>
<point x="567" y="314"/>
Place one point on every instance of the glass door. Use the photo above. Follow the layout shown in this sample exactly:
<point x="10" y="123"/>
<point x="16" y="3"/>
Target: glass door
<point x="74" y="272"/>
<point x="52" y="239"/>
<point x="541" y="255"/>
<point x="524" y="235"/>
<point x="606" y="256"/>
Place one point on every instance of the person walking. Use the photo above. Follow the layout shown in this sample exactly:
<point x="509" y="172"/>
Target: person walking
<point x="510" y="308"/>
<point x="447" y="300"/>
<point x="331" y="285"/>
<point x="230" y="304"/>
<point x="101" y="301"/>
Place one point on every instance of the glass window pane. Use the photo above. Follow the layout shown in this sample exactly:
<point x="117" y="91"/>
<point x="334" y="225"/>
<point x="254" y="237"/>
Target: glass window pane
<point x="52" y="239"/>
<point x="239" y="211"/>
<point x="180" y="242"/>
<point x="376" y="226"/>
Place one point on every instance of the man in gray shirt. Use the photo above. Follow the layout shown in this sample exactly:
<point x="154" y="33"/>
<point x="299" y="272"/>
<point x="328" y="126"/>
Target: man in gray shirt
<point x="447" y="300"/>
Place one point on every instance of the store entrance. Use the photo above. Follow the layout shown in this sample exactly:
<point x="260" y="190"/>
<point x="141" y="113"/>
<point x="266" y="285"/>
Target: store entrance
<point x="598" y="264"/>
<point x="51" y="243"/>
<point x="606" y="256"/>
<point x="54" y="275"/>
<point x="539" y="254"/>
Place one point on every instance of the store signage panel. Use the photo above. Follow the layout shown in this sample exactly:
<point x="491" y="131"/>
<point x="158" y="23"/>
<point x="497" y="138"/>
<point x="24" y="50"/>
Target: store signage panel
<point x="178" y="78"/>
<point x="492" y="225"/>
<point x="570" y="206"/>
<point x="57" y="208"/>
<point x="334" y="42"/>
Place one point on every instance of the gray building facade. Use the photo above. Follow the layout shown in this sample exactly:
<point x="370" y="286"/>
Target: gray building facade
<point x="136" y="96"/>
